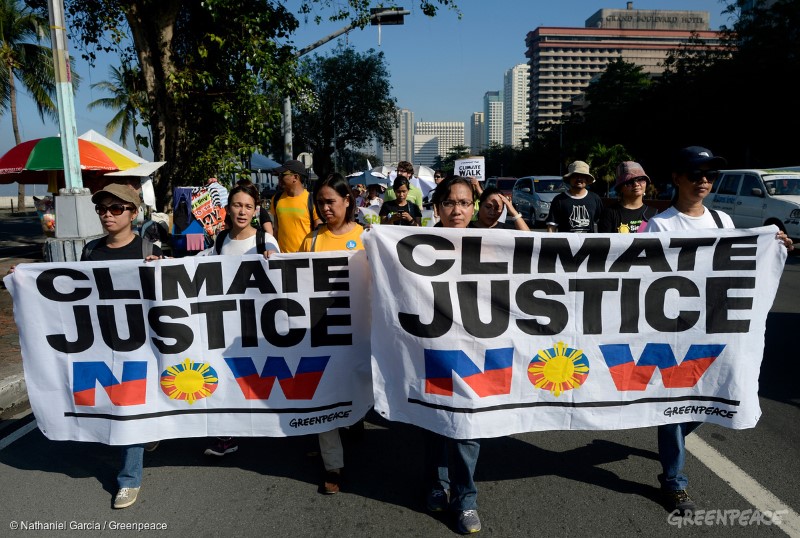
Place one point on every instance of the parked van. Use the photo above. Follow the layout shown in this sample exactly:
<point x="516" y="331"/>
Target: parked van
<point x="532" y="196"/>
<point x="759" y="197"/>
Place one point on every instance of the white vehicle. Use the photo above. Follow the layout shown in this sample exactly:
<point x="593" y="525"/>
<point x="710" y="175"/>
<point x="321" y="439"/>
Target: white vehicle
<point x="759" y="197"/>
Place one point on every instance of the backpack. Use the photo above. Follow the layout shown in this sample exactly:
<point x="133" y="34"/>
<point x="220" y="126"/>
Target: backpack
<point x="274" y="208"/>
<point x="147" y="247"/>
<point x="261" y="241"/>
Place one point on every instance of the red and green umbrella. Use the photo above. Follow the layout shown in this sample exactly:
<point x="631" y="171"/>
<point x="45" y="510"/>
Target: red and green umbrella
<point x="35" y="161"/>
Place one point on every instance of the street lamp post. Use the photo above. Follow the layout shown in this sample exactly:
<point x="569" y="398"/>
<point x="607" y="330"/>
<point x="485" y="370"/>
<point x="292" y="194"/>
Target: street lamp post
<point x="377" y="17"/>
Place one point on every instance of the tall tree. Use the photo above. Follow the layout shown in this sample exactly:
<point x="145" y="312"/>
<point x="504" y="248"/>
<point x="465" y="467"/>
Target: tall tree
<point x="604" y="160"/>
<point x="352" y="105"/>
<point x="127" y="99"/>
<point x="25" y="60"/>
<point x="215" y="72"/>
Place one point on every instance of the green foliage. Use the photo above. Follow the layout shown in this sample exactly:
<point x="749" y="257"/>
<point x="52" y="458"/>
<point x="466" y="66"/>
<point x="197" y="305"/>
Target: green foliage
<point x="351" y="105"/>
<point x="603" y="161"/>
<point x="128" y="99"/>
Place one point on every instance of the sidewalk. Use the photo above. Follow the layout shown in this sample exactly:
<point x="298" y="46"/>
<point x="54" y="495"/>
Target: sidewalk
<point x="21" y="241"/>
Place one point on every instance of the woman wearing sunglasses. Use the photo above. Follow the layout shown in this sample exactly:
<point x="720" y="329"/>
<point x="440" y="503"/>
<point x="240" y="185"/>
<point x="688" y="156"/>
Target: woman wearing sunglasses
<point x="629" y="214"/>
<point x="117" y="206"/>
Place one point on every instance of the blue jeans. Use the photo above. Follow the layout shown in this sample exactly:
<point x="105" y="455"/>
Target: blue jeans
<point x="130" y="476"/>
<point x="455" y="473"/>
<point x="672" y="453"/>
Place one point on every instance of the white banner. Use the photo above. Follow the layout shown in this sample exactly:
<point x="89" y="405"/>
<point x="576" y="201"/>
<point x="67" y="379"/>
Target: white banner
<point x="127" y="352"/>
<point x="484" y="333"/>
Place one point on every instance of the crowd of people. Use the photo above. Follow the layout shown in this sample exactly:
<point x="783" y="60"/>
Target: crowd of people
<point x="326" y="220"/>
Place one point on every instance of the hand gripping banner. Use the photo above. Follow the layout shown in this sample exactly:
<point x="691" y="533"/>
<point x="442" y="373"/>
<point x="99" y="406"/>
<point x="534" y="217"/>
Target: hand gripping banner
<point x="484" y="333"/>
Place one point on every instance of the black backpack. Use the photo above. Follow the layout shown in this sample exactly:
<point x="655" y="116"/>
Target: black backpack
<point x="261" y="241"/>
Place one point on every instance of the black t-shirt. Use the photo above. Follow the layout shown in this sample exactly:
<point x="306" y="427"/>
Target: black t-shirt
<point x="618" y="219"/>
<point x="577" y="215"/>
<point x="131" y="251"/>
<point x="392" y="206"/>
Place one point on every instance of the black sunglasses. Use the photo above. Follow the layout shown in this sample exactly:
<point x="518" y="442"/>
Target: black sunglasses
<point x="115" y="209"/>
<point x="696" y="176"/>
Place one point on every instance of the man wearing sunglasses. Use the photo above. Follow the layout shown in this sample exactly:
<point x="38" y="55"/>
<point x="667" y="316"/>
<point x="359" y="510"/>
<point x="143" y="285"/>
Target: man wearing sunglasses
<point x="694" y="170"/>
<point x="293" y="213"/>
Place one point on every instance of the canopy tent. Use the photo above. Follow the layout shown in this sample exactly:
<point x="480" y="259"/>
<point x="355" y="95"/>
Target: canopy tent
<point x="262" y="162"/>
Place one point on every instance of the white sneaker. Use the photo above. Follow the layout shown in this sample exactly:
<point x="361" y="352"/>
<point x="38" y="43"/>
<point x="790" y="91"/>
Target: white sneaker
<point x="469" y="522"/>
<point x="125" y="497"/>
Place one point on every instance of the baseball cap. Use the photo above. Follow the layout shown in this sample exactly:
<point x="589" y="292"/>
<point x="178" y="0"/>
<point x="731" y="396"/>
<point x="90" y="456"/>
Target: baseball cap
<point x="578" y="167"/>
<point x="693" y="157"/>
<point x="126" y="193"/>
<point x="628" y="170"/>
<point x="292" y="166"/>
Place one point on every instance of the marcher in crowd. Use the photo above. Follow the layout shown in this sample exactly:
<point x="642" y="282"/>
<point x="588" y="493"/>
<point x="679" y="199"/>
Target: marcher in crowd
<point x="490" y="208"/>
<point x="629" y="214"/>
<point x="577" y="210"/>
<point x="336" y="203"/>
<point x="293" y="210"/>
<point x="400" y="211"/>
<point x="406" y="169"/>
<point x="238" y="239"/>
<point x="450" y="463"/>
<point x="694" y="170"/>
<point x="117" y="206"/>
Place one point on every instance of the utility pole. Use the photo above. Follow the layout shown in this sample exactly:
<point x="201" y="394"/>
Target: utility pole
<point x="75" y="218"/>
<point x="378" y="16"/>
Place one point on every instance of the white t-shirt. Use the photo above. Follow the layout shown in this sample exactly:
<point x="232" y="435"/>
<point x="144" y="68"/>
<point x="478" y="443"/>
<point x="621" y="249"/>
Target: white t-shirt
<point x="239" y="247"/>
<point x="671" y="220"/>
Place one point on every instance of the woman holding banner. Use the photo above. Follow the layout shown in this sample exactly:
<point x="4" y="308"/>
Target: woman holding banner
<point x="117" y="206"/>
<point x="450" y="463"/>
<point x="238" y="239"/>
<point x="337" y="205"/>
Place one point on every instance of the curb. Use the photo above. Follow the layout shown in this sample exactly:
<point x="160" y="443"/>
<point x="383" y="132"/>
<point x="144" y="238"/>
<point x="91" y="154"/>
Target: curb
<point x="13" y="392"/>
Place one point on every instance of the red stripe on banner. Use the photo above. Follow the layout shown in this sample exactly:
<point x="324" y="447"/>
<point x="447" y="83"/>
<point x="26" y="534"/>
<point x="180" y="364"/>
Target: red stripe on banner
<point x="301" y="386"/>
<point x="629" y="376"/>
<point x="443" y="386"/>
<point x="686" y="374"/>
<point x="490" y="382"/>
<point x="255" y="387"/>
<point x="128" y="392"/>
<point x="84" y="397"/>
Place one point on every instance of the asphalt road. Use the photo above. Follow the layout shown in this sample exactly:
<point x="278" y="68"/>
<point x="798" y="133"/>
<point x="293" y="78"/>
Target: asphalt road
<point x="545" y="484"/>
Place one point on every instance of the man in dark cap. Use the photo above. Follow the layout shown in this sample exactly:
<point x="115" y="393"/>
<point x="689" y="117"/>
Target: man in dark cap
<point x="293" y="211"/>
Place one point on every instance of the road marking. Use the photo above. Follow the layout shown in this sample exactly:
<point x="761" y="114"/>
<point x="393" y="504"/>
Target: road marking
<point x="17" y="434"/>
<point x="744" y="484"/>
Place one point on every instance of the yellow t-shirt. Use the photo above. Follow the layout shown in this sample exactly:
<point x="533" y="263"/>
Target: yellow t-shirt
<point x="293" y="220"/>
<point x="327" y="240"/>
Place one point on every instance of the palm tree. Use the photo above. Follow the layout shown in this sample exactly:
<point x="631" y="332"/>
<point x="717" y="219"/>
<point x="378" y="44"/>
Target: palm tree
<point x="25" y="60"/>
<point x="604" y="161"/>
<point x="126" y="98"/>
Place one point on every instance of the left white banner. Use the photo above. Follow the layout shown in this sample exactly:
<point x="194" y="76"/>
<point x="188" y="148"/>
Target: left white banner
<point x="127" y="352"/>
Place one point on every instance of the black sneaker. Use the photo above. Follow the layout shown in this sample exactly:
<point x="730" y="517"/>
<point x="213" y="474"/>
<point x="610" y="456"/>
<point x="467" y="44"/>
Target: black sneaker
<point x="679" y="501"/>
<point x="437" y="500"/>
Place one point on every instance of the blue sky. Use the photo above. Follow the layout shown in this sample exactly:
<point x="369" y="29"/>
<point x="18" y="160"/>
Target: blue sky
<point x="440" y="67"/>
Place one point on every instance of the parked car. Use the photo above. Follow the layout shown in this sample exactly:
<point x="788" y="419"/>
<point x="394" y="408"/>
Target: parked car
<point x="532" y="196"/>
<point x="505" y="184"/>
<point x="759" y="197"/>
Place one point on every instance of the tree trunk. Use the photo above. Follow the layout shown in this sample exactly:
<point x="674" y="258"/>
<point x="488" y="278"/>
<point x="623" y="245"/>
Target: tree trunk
<point x="12" y="98"/>
<point x="152" y="28"/>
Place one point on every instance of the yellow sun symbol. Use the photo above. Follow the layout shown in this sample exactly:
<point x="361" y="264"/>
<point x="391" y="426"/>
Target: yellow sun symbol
<point x="558" y="369"/>
<point x="189" y="381"/>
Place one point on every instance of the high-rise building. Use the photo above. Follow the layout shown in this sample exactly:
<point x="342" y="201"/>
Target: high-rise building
<point x="564" y="60"/>
<point x="493" y="118"/>
<point x="516" y="88"/>
<point x="476" y="132"/>
<point x="448" y="135"/>
<point x="402" y="148"/>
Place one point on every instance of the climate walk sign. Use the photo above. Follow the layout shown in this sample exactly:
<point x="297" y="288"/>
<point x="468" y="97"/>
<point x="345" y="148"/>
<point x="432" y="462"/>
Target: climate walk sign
<point x="128" y="352"/>
<point x="495" y="332"/>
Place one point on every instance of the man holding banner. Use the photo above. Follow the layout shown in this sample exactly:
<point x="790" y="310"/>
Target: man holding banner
<point x="694" y="170"/>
